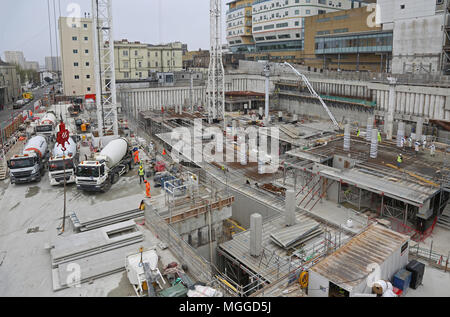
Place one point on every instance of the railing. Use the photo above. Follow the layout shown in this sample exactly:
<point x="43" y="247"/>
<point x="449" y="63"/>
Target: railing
<point x="439" y="259"/>
<point x="415" y="235"/>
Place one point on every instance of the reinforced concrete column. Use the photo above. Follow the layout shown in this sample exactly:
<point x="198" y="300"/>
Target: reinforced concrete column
<point x="432" y="106"/>
<point x="419" y="128"/>
<point x="408" y="103"/>
<point x="389" y="127"/>
<point x="421" y="104"/>
<point x="416" y="104"/>
<point x="426" y="108"/>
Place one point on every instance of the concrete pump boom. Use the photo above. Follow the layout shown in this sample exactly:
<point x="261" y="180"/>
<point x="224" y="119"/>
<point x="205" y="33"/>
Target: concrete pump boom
<point x="314" y="93"/>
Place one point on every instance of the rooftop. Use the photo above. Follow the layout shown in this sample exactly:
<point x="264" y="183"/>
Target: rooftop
<point x="348" y="265"/>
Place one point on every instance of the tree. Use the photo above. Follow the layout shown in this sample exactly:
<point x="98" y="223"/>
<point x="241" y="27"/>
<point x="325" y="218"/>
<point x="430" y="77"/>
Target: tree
<point x="30" y="74"/>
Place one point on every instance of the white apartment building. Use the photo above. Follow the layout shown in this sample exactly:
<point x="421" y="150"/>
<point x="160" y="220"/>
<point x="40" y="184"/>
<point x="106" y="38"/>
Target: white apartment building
<point x="419" y="28"/>
<point x="279" y="24"/>
<point x="53" y="64"/>
<point x="77" y="56"/>
<point x="32" y="65"/>
<point x="15" y="57"/>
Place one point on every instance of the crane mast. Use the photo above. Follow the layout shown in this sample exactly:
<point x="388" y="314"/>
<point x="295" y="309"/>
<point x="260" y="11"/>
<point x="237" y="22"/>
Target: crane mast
<point x="216" y="73"/>
<point x="105" y="79"/>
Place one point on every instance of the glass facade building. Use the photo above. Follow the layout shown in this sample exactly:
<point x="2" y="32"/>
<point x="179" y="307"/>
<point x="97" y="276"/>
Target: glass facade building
<point x="358" y="43"/>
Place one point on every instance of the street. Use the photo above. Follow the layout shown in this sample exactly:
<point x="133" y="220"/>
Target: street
<point x="8" y="113"/>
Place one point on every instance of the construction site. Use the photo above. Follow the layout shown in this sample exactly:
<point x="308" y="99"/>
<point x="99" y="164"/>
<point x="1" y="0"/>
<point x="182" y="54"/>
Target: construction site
<point x="268" y="180"/>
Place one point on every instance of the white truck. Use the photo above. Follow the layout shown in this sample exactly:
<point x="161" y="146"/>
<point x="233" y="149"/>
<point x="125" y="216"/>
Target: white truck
<point x="30" y="165"/>
<point x="46" y="126"/>
<point x="63" y="162"/>
<point x="112" y="162"/>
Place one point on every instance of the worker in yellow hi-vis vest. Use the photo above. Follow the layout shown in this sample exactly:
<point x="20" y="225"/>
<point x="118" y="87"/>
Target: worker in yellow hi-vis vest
<point x="141" y="173"/>
<point x="399" y="160"/>
<point x="379" y="137"/>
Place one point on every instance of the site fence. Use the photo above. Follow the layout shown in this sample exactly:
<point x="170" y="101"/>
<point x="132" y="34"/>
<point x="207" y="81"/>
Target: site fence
<point x="415" y="234"/>
<point x="197" y="267"/>
<point x="440" y="260"/>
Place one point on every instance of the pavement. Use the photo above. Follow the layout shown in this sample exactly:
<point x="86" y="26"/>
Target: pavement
<point x="29" y="217"/>
<point x="8" y="113"/>
<point x="436" y="283"/>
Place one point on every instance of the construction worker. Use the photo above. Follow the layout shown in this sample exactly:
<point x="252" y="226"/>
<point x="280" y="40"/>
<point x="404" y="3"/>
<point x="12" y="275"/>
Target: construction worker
<point x="402" y="143"/>
<point x="379" y="137"/>
<point x="416" y="147"/>
<point x="141" y="173"/>
<point x="142" y="205"/>
<point x="358" y="132"/>
<point x="147" y="189"/>
<point x="424" y="144"/>
<point x="410" y="143"/>
<point x="432" y="149"/>
<point x="136" y="156"/>
<point x="399" y="160"/>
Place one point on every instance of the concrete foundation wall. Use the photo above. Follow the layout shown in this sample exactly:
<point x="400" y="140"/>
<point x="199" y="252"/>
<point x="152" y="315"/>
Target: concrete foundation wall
<point x="245" y="206"/>
<point x="154" y="98"/>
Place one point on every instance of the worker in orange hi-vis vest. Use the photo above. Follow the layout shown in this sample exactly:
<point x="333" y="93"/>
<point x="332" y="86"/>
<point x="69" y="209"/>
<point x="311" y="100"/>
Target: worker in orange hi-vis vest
<point x="147" y="189"/>
<point x="136" y="156"/>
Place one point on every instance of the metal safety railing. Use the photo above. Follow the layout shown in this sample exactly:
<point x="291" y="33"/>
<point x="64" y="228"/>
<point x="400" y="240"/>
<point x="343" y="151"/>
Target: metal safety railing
<point x="441" y="260"/>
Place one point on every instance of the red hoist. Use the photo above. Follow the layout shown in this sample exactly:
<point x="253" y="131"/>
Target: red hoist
<point x="62" y="137"/>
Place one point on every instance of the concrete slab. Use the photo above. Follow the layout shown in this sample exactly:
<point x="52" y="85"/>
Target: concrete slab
<point x="26" y="266"/>
<point x="436" y="283"/>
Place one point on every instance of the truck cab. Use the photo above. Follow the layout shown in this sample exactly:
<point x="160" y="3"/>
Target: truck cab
<point x="63" y="163"/>
<point x="109" y="165"/>
<point x="25" y="168"/>
<point x="93" y="176"/>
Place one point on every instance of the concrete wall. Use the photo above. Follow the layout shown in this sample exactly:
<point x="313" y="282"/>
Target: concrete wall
<point x="411" y="102"/>
<point x="417" y="45"/>
<point x="154" y="98"/>
<point x="244" y="206"/>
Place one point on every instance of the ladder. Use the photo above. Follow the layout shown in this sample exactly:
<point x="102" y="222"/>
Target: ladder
<point x="3" y="169"/>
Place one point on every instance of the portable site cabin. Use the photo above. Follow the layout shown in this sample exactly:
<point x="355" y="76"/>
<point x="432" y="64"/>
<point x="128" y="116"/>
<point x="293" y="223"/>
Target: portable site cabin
<point x="377" y="253"/>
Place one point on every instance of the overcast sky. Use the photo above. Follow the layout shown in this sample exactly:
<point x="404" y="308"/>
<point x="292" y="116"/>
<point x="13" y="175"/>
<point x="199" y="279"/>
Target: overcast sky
<point x="24" y="23"/>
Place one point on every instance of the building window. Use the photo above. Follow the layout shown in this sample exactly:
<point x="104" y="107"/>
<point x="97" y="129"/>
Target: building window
<point x="86" y="38"/>
<point x="86" y="51"/>
<point x="85" y="26"/>
<point x="125" y="53"/>
<point x="75" y="64"/>
<point x="89" y="89"/>
<point x="135" y="53"/>
<point x="88" y="76"/>
<point x="74" y="38"/>
<point x="125" y="64"/>
<point x="75" y="51"/>
<point x="77" y="77"/>
<point x="87" y="64"/>
<point x="126" y="75"/>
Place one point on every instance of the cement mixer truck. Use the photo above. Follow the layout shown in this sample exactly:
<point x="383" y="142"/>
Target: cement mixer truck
<point x="111" y="163"/>
<point x="63" y="163"/>
<point x="29" y="166"/>
<point x="46" y="126"/>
